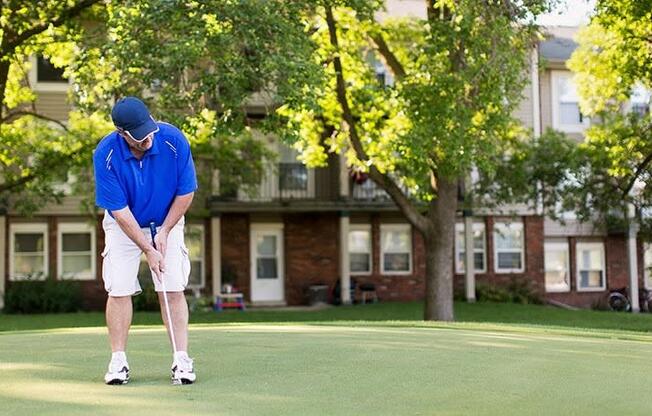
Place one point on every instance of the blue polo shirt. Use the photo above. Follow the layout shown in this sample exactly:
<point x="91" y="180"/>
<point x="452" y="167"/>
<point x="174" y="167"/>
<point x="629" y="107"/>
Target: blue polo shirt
<point x="149" y="185"/>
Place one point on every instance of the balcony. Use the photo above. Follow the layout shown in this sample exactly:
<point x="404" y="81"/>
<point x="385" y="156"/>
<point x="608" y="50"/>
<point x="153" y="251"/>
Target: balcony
<point x="283" y="182"/>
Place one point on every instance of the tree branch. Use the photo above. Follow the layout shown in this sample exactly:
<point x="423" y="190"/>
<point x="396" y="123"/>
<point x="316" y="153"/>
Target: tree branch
<point x="382" y="179"/>
<point x="65" y="16"/>
<point x="50" y="164"/>
<point x="641" y="167"/>
<point x="17" y="114"/>
<point x="391" y="59"/>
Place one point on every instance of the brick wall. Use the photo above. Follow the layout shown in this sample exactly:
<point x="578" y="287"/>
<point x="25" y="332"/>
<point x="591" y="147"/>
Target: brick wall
<point x="534" y="267"/>
<point x="395" y="287"/>
<point x="311" y="253"/>
<point x="235" y="250"/>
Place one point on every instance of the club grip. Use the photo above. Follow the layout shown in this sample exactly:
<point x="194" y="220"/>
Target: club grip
<point x="152" y="231"/>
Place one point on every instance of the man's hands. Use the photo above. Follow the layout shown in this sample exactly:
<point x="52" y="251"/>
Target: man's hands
<point x="155" y="262"/>
<point x="161" y="240"/>
<point x="156" y="256"/>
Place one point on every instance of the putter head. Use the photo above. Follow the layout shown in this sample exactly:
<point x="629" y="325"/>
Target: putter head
<point x="176" y="382"/>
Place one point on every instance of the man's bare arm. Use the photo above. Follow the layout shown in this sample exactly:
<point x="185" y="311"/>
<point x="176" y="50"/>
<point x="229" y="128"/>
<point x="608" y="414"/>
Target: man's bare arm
<point x="179" y="207"/>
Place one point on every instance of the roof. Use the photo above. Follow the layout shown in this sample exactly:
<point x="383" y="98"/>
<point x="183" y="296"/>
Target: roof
<point x="559" y="44"/>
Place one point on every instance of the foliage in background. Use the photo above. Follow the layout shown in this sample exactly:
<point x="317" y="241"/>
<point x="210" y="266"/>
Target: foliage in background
<point x="199" y="65"/>
<point x="37" y="152"/>
<point x="612" y="64"/>
<point x="43" y="296"/>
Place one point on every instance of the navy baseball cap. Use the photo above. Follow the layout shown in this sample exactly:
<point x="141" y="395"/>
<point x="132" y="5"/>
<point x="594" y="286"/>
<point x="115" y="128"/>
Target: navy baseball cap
<point x="131" y="116"/>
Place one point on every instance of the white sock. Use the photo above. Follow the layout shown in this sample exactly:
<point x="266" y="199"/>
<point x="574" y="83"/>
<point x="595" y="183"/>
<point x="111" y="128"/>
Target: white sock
<point x="181" y="355"/>
<point x="119" y="356"/>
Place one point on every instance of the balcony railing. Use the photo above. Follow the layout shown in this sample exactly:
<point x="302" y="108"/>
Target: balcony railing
<point x="283" y="181"/>
<point x="368" y="191"/>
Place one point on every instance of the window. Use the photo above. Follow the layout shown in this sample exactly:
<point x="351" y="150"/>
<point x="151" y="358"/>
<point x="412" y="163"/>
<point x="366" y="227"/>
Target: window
<point x="28" y="252"/>
<point x="590" y="266"/>
<point x="195" y="244"/>
<point x="44" y="76"/>
<point x="557" y="269"/>
<point x="396" y="249"/>
<point x="293" y="175"/>
<point x="46" y="72"/>
<point x="640" y="100"/>
<point x="647" y="265"/>
<point x="360" y="249"/>
<point x="76" y="251"/>
<point x="508" y="247"/>
<point x="267" y="254"/>
<point x="479" y="250"/>
<point x="566" y="115"/>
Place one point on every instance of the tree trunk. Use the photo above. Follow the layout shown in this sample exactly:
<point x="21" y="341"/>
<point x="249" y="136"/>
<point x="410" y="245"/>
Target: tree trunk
<point x="439" y="240"/>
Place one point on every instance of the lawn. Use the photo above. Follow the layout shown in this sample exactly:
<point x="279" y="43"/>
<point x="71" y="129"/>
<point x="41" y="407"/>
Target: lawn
<point x="373" y="359"/>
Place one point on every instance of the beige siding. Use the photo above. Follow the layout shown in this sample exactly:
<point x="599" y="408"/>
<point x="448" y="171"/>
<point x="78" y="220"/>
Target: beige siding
<point x="546" y="99"/>
<point x="524" y="111"/>
<point x="53" y="104"/>
<point x="573" y="228"/>
<point x="70" y="205"/>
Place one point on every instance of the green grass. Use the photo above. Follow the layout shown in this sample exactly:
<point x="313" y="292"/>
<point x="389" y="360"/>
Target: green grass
<point x="464" y="312"/>
<point x="303" y="369"/>
<point x="498" y="359"/>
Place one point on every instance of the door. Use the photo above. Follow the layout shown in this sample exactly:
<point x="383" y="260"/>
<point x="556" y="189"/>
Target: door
<point x="267" y="274"/>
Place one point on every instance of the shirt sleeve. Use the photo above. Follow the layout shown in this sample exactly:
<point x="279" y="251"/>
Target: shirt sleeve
<point x="108" y="192"/>
<point x="186" y="176"/>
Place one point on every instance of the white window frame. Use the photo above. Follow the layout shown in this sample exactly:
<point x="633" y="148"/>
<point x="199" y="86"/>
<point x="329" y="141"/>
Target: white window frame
<point x="555" y="77"/>
<point x="367" y="228"/>
<point x="504" y="224"/>
<point x="45" y="86"/>
<point x="76" y="227"/>
<point x="28" y="228"/>
<point x="202" y="255"/>
<point x="477" y="226"/>
<point x="396" y="227"/>
<point x="579" y="246"/>
<point x="557" y="246"/>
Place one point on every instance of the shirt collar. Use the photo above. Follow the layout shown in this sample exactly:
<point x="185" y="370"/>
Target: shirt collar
<point x="126" y="152"/>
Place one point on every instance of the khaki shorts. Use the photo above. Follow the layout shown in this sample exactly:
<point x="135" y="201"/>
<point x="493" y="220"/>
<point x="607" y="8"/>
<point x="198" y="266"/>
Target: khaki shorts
<point x="122" y="259"/>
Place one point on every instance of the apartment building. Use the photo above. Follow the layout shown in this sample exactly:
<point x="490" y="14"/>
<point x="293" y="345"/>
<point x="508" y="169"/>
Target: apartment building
<point x="305" y="227"/>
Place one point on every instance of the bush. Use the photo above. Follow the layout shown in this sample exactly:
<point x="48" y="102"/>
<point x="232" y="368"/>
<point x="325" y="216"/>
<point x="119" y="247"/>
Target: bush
<point x="517" y="291"/>
<point x="43" y="296"/>
<point x="147" y="300"/>
<point x="491" y="293"/>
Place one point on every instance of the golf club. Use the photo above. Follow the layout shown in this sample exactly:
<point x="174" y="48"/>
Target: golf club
<point x="152" y="230"/>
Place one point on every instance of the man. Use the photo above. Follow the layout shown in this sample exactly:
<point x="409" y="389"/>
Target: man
<point x="144" y="173"/>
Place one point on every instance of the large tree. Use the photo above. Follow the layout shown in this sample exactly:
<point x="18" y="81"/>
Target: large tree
<point x="36" y="152"/>
<point x="459" y="73"/>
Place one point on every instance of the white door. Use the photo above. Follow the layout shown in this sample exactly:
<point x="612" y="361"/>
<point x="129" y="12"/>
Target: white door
<point x="267" y="277"/>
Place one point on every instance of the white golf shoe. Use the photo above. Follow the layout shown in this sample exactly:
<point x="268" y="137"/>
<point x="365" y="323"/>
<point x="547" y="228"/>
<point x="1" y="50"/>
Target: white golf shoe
<point x="118" y="372"/>
<point x="183" y="371"/>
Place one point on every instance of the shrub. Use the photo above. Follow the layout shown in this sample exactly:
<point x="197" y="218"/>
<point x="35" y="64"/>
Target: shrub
<point x="147" y="300"/>
<point x="43" y="296"/>
<point x="491" y="293"/>
<point x="519" y="290"/>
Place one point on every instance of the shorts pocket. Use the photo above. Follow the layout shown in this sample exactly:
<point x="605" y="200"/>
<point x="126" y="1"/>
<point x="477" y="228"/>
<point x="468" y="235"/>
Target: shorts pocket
<point x="106" y="267"/>
<point x="185" y="264"/>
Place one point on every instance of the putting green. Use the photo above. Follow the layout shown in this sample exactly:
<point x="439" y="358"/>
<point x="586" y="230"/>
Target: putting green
<point x="398" y="369"/>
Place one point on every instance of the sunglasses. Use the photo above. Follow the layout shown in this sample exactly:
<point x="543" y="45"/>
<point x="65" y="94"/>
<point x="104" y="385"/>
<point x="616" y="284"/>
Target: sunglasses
<point x="128" y="134"/>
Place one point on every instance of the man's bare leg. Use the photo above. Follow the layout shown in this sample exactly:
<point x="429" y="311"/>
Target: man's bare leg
<point x="179" y="316"/>
<point x="119" y="312"/>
